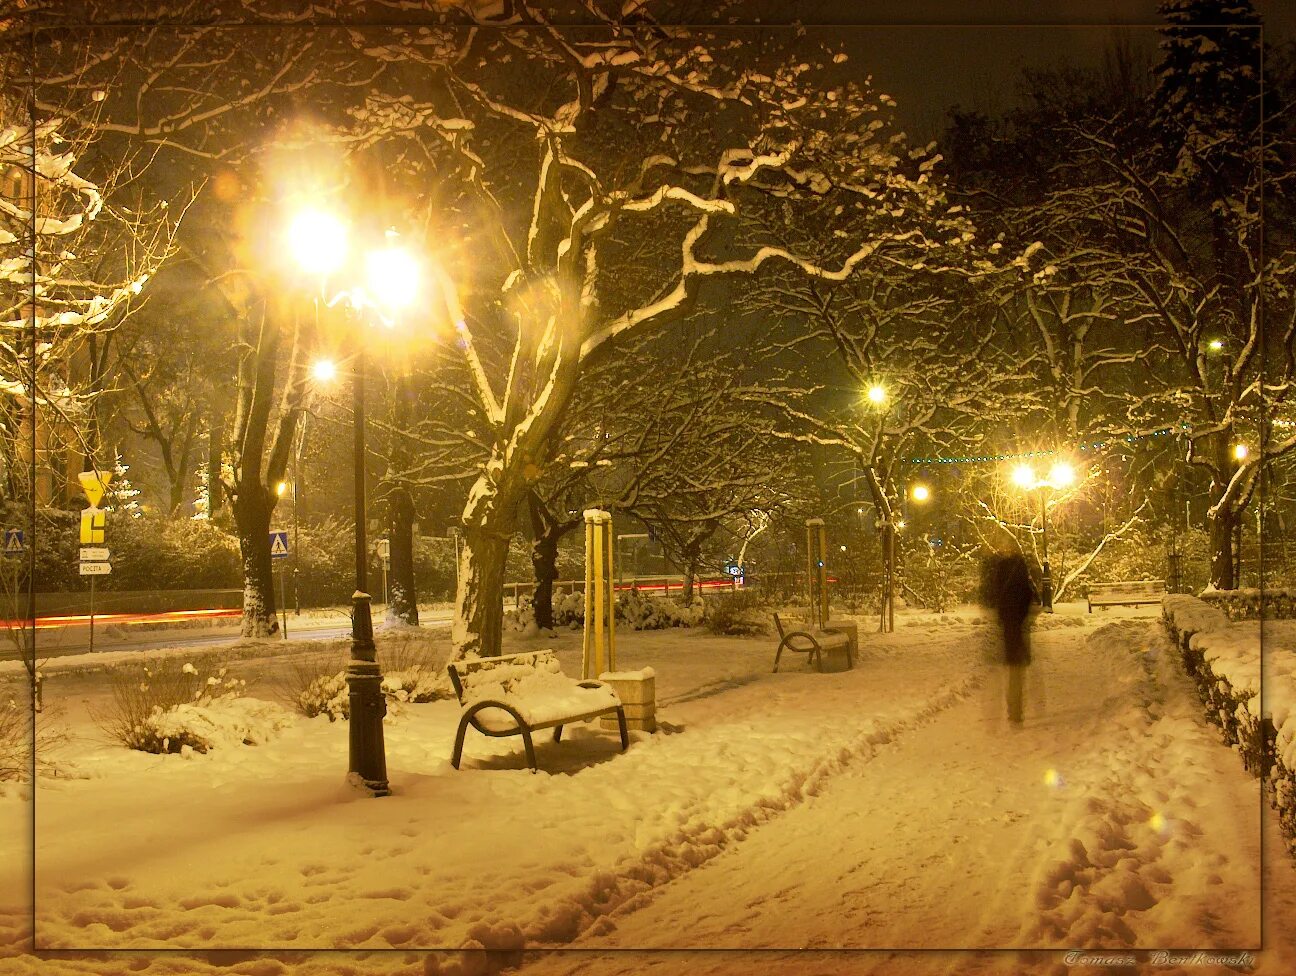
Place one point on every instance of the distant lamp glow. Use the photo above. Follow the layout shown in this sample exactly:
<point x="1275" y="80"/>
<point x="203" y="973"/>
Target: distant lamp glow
<point x="877" y="394"/>
<point x="280" y="488"/>
<point x="318" y="241"/>
<point x="1061" y="475"/>
<point x="900" y="524"/>
<point x="843" y="548"/>
<point x="1215" y="345"/>
<point x="1023" y="476"/>
<point x="324" y="371"/>
<point x="393" y="277"/>
<point x="920" y="493"/>
<point x="1240" y="452"/>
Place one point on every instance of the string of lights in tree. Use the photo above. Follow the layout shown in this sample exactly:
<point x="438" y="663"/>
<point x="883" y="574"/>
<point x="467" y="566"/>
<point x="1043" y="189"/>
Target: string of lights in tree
<point x="1086" y="447"/>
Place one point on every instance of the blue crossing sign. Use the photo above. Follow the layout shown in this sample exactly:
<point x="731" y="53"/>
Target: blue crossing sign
<point x="278" y="545"/>
<point x="13" y="542"/>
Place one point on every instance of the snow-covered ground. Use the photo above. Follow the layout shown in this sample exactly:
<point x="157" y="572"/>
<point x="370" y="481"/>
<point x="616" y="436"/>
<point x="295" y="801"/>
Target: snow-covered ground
<point x="888" y="808"/>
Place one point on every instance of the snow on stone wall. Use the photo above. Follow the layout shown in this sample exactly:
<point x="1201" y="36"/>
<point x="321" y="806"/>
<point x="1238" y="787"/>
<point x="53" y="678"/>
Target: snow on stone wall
<point x="1226" y="658"/>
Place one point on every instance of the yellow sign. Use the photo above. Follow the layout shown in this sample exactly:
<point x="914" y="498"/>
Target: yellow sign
<point x="92" y="525"/>
<point x="94" y="484"/>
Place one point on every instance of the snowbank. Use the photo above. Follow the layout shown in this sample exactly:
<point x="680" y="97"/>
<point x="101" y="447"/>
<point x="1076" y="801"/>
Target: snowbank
<point x="1270" y="603"/>
<point x="1245" y="674"/>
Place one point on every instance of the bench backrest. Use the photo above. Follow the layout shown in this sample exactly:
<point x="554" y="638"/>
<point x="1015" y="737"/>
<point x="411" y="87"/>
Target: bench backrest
<point x="501" y="673"/>
<point x="779" y="624"/>
<point x="1128" y="586"/>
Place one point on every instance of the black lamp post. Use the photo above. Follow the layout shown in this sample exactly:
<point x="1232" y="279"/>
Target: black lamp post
<point x="368" y="766"/>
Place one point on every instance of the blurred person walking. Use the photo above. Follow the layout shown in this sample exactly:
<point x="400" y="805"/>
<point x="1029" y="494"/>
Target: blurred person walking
<point x="1006" y="588"/>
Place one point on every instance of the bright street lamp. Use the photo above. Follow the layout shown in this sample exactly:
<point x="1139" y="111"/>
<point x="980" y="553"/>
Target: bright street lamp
<point x="393" y="277"/>
<point x="324" y="371"/>
<point x="920" y="493"/>
<point x="1061" y="475"/>
<point x="1240" y="452"/>
<point x="877" y="394"/>
<point x="318" y="241"/>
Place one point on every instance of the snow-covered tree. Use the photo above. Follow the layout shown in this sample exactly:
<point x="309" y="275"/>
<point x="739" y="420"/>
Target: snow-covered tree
<point x="557" y="153"/>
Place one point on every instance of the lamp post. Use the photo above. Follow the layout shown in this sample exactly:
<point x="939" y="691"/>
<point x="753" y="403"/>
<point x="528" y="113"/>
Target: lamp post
<point x="1060" y="476"/>
<point x="319" y="242"/>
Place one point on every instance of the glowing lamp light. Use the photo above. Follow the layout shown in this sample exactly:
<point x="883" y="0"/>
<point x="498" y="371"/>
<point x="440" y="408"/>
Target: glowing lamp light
<point x="877" y="394"/>
<point x="318" y="241"/>
<point x="324" y="371"/>
<point x="1215" y="345"/>
<point x="1023" y="476"/>
<point x="920" y="493"/>
<point x="1061" y="475"/>
<point x="1240" y="452"/>
<point x="393" y="277"/>
<point x="280" y="488"/>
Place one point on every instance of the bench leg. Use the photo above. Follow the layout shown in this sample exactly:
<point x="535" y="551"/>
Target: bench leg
<point x="777" y="655"/>
<point x="621" y="724"/>
<point x="558" y="733"/>
<point x="459" y="741"/>
<point x="530" y="748"/>
<point x="818" y="659"/>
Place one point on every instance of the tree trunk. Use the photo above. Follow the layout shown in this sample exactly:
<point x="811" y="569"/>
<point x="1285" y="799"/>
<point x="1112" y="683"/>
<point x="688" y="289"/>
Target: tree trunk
<point x="479" y="602"/>
<point x="544" y="563"/>
<point x="252" y="509"/>
<point x="1223" y="574"/>
<point x="691" y="561"/>
<point x="403" y="595"/>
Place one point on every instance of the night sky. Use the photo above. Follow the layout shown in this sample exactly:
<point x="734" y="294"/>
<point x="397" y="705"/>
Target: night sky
<point x="932" y="54"/>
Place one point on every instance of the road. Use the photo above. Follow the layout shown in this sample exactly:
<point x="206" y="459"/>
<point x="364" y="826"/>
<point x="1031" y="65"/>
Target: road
<point x="72" y="639"/>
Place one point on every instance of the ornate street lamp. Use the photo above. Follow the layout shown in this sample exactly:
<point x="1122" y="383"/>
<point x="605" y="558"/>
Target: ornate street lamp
<point x="1061" y="475"/>
<point x="319" y="242"/>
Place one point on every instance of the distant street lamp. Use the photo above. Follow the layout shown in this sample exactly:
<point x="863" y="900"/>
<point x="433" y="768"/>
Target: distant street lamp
<point x="1061" y="475"/>
<point x="877" y="394"/>
<point x="319" y="243"/>
<point x="920" y="493"/>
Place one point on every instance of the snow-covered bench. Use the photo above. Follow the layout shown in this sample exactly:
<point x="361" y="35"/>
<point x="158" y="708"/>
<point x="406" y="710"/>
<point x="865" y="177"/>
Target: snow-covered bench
<point x="519" y="694"/>
<point x="1128" y="593"/>
<point x="814" y="644"/>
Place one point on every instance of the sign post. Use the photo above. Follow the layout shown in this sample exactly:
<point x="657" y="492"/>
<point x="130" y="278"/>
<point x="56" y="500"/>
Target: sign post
<point x="279" y="550"/>
<point x="94" y="526"/>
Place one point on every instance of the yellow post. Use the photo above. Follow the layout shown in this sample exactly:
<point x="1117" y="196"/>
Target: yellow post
<point x="597" y="616"/>
<point x="611" y="563"/>
<point x="810" y="574"/>
<point x="589" y="585"/>
<point x="823" y="575"/>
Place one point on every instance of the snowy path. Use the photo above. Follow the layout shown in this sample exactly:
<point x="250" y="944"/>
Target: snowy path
<point x="887" y="807"/>
<point x="1094" y="825"/>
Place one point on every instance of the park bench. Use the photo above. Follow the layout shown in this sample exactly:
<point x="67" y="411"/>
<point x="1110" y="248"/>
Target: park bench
<point x="1128" y="593"/>
<point x="813" y="644"/>
<point x="519" y="694"/>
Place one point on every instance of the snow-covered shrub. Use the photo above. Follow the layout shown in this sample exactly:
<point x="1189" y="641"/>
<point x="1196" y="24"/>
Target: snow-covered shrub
<point x="939" y="576"/>
<point x="413" y="672"/>
<point x="634" y="610"/>
<point x="160" y="709"/>
<point x="741" y="613"/>
<point x="16" y="735"/>
<point x="15" y="739"/>
<point x="1250" y="603"/>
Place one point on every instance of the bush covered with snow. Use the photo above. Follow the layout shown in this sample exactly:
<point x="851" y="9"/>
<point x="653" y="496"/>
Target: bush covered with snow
<point x="413" y="668"/>
<point x="1250" y="603"/>
<point x="164" y="708"/>
<point x="634" y="609"/>
<point x="741" y="613"/>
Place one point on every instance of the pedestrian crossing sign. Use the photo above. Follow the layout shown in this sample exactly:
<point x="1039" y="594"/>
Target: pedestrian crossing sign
<point x="13" y="542"/>
<point x="278" y="545"/>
